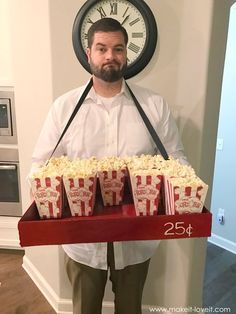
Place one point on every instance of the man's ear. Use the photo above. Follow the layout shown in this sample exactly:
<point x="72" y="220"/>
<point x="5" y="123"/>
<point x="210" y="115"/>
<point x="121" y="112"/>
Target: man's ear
<point x="88" y="53"/>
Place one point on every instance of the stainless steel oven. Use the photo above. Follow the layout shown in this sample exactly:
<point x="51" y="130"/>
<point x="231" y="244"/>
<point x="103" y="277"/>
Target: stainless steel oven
<point x="7" y="118"/>
<point x="10" y="196"/>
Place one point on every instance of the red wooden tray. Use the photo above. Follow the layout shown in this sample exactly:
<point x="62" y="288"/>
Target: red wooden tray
<point x="116" y="223"/>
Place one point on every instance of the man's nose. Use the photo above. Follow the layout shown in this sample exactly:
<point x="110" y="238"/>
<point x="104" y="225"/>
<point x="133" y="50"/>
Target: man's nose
<point x="109" y="54"/>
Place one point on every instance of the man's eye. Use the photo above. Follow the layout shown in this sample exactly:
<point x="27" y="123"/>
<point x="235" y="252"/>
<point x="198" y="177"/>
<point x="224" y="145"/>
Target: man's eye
<point x="119" y="49"/>
<point x="101" y="49"/>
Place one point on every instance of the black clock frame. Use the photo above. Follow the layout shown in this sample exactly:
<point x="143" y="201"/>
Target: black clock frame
<point x="150" y="43"/>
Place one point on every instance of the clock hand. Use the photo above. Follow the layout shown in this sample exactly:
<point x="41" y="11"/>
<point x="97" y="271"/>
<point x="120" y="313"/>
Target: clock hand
<point x="127" y="17"/>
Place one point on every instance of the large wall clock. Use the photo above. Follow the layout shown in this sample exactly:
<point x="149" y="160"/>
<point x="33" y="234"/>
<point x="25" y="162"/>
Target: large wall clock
<point x="134" y="15"/>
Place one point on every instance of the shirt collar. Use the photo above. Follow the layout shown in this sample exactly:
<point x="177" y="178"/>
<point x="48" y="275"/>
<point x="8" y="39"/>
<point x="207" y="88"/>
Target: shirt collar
<point x="93" y="96"/>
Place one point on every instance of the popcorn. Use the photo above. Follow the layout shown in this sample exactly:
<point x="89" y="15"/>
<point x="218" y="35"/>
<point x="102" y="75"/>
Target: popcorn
<point x="146" y="179"/>
<point x="80" y="168"/>
<point x="112" y="186"/>
<point x="79" y="178"/>
<point x="111" y="163"/>
<point x="146" y="185"/>
<point x="46" y="184"/>
<point x="144" y="162"/>
<point x="184" y="195"/>
<point x="54" y="167"/>
<point x="47" y="195"/>
<point x="81" y="193"/>
<point x="183" y="190"/>
<point x="174" y="168"/>
<point x="111" y="174"/>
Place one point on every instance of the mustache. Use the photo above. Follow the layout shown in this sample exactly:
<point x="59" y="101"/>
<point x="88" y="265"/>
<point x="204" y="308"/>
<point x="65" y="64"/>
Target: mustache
<point x="111" y="63"/>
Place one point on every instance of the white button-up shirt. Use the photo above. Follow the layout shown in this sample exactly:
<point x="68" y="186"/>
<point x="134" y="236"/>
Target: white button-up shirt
<point x="102" y="130"/>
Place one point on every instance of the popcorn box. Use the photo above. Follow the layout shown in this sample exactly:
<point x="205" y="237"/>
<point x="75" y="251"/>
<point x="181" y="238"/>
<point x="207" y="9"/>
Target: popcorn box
<point x="47" y="193"/>
<point x="81" y="194"/>
<point x="146" y="193"/>
<point x="112" y="186"/>
<point x="184" y="199"/>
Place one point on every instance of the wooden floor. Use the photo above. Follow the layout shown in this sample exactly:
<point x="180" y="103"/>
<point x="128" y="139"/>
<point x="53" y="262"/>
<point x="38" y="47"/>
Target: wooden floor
<point x="220" y="279"/>
<point x="19" y="295"/>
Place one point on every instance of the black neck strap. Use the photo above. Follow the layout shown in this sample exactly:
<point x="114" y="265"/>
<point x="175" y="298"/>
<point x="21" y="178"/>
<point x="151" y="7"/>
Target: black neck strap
<point x="77" y="107"/>
<point x="149" y="126"/>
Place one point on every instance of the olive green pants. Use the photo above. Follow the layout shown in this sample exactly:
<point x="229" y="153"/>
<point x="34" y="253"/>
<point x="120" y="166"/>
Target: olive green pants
<point x="88" y="286"/>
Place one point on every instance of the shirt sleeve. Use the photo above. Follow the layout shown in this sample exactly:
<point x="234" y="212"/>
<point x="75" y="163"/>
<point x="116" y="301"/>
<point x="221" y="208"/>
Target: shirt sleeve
<point x="170" y="136"/>
<point x="48" y="139"/>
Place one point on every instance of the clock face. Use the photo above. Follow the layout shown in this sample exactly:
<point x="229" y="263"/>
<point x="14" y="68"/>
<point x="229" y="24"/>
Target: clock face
<point x="134" y="15"/>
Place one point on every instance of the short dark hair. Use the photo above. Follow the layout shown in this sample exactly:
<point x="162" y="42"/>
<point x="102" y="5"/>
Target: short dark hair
<point x="106" y="25"/>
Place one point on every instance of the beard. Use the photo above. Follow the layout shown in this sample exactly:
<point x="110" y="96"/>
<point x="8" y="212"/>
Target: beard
<point x="109" y="72"/>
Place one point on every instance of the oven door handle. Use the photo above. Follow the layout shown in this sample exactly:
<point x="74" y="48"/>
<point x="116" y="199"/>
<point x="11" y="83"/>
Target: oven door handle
<point x="7" y="167"/>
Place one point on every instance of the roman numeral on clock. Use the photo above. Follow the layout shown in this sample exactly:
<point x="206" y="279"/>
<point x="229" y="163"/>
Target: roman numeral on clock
<point x="89" y="21"/>
<point x="125" y="12"/>
<point x="137" y="35"/>
<point x="133" y="47"/>
<point x="113" y="8"/>
<point x="102" y="12"/>
<point x="134" y="21"/>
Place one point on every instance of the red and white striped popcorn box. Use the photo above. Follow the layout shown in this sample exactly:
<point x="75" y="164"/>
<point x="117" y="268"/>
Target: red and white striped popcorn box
<point x="184" y="199"/>
<point x="146" y="193"/>
<point x="168" y="196"/>
<point x="47" y="193"/>
<point x="81" y="194"/>
<point x="112" y="186"/>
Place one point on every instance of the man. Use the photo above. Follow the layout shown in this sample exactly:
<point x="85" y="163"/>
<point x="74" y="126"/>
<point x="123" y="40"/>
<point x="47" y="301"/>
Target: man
<point x="107" y="124"/>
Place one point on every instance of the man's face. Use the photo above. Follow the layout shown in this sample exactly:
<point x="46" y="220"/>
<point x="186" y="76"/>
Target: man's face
<point x="108" y="56"/>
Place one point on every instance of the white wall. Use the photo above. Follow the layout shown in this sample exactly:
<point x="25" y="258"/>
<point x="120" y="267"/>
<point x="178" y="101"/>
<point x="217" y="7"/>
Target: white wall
<point x="33" y="94"/>
<point x="224" y="181"/>
<point x="6" y="71"/>
<point x="45" y="66"/>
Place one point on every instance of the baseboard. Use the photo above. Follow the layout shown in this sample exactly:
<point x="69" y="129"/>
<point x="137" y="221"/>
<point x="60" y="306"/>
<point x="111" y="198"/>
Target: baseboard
<point x="61" y="306"/>
<point x="9" y="237"/>
<point x="64" y="306"/>
<point x="222" y="242"/>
